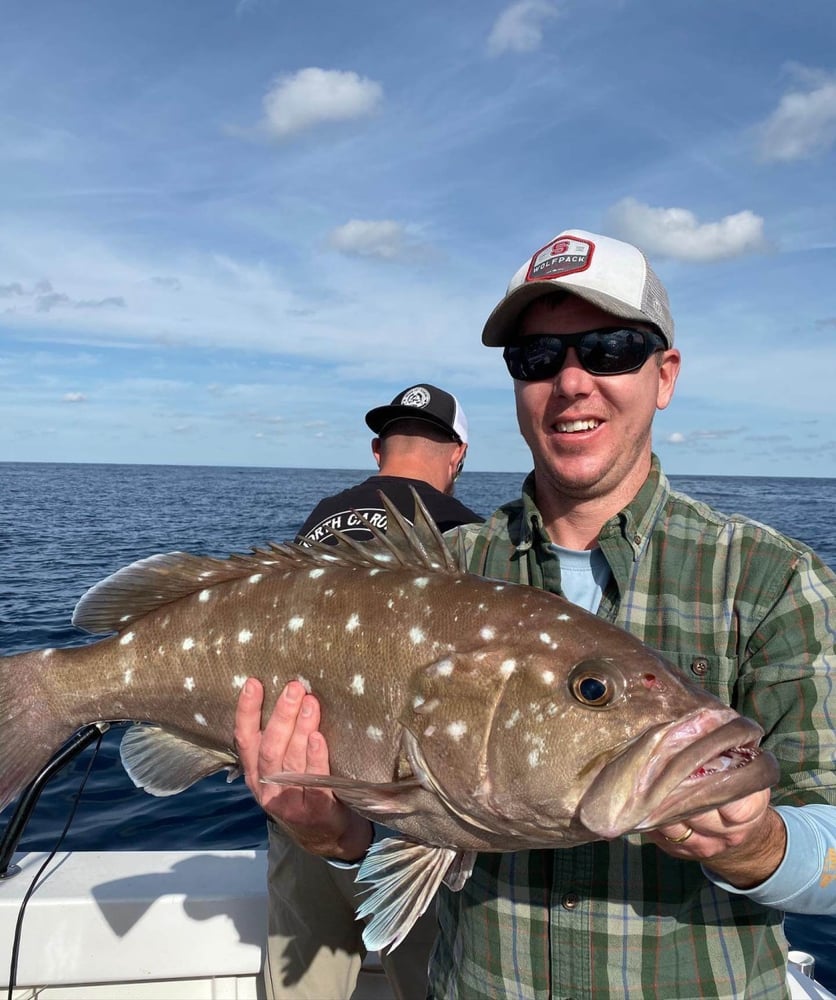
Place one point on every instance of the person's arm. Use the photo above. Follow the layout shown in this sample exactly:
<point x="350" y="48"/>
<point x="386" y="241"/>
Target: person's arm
<point x="805" y="880"/>
<point x="291" y="741"/>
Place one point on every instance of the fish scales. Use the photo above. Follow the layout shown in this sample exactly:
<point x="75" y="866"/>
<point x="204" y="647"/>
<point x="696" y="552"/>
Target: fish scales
<point x="464" y="713"/>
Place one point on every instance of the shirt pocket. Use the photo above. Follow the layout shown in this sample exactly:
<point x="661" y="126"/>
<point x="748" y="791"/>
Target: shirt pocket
<point x="715" y="674"/>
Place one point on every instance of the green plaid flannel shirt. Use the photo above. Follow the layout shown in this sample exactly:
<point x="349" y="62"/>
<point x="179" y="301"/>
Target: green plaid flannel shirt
<point x="745" y="612"/>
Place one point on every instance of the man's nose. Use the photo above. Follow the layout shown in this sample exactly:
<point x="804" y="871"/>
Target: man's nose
<point x="573" y="378"/>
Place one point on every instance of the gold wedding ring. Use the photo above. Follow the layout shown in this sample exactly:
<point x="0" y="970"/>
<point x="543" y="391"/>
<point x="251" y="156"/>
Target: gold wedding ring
<point x="682" y="839"/>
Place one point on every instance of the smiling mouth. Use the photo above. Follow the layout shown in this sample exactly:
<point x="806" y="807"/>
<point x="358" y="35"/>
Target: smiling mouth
<point x="575" y="426"/>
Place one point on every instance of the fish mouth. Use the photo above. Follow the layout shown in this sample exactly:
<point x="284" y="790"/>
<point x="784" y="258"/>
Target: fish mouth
<point x="677" y="770"/>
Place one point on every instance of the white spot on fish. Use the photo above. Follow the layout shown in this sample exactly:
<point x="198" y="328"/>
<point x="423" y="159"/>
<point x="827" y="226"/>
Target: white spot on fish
<point x="200" y="719"/>
<point x="418" y="701"/>
<point x="124" y="618"/>
<point x="238" y="681"/>
<point x="499" y="586"/>
<point x="487" y="633"/>
<point x="127" y="639"/>
<point x="416" y="635"/>
<point x="188" y="683"/>
<point x="188" y="643"/>
<point x="444" y="668"/>
<point x="513" y="719"/>
<point x="329" y="592"/>
<point x="546" y="638"/>
<point x="205" y="573"/>
<point x="161" y="650"/>
<point x="352" y="623"/>
<point x="507" y="667"/>
<point x="358" y="684"/>
<point x="548" y="676"/>
<point x="244" y="635"/>
<point x="420" y="581"/>
<point x="127" y="677"/>
<point x="375" y="571"/>
<point x="255" y="578"/>
<point x="429" y="730"/>
<point x="390" y="603"/>
<point x="375" y="734"/>
<point x="203" y="596"/>
<point x="456" y="730"/>
<point x="564" y="618"/>
<point x="315" y="574"/>
<point x="306" y="684"/>
<point x="538" y="746"/>
<point x="295" y="623"/>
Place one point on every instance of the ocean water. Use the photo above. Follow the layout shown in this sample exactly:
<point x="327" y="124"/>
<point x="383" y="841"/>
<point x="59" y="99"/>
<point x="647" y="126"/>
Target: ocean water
<point x="64" y="527"/>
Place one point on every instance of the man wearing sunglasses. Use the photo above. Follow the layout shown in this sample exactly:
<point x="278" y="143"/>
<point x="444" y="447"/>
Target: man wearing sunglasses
<point x="693" y="909"/>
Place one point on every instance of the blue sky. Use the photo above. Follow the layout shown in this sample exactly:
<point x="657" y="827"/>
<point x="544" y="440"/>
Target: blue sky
<point x="230" y="227"/>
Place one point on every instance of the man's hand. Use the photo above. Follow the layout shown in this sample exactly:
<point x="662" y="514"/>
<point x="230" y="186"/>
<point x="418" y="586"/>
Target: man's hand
<point x="742" y="842"/>
<point x="291" y="741"/>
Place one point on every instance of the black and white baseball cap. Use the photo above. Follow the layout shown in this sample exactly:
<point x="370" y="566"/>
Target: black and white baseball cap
<point x="422" y="402"/>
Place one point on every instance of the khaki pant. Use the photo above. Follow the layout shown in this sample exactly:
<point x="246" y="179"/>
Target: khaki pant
<point x="315" y="947"/>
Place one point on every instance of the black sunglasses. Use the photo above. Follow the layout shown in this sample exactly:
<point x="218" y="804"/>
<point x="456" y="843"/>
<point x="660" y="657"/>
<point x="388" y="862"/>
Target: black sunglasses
<point x="612" y="350"/>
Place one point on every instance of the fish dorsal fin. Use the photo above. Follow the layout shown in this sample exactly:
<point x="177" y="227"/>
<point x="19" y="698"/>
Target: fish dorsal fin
<point x="403" y="878"/>
<point x="421" y="540"/>
<point x="148" y="584"/>
<point x="419" y="545"/>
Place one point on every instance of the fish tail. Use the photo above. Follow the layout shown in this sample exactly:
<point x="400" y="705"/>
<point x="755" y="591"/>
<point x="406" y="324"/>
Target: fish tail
<point x="30" y="730"/>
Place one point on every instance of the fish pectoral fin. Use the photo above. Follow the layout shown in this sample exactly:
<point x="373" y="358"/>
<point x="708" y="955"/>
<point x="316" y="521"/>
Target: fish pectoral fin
<point x="164" y="764"/>
<point x="404" y="877"/>
<point x="390" y="798"/>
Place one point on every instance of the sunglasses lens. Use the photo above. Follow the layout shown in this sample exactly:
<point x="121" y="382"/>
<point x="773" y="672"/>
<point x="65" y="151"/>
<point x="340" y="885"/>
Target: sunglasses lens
<point x="534" y="358"/>
<point x="612" y="352"/>
<point x="601" y="352"/>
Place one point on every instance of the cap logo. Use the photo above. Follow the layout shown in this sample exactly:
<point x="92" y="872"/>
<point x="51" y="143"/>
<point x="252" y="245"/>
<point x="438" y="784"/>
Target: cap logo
<point x="568" y="255"/>
<point x="418" y="397"/>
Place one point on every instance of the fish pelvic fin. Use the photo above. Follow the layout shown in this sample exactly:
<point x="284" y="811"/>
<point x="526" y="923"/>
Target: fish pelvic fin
<point x="403" y="878"/>
<point x="378" y="799"/>
<point x="162" y="763"/>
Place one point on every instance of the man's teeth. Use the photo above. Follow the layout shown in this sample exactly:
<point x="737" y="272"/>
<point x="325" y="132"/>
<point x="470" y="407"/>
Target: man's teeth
<point x="571" y="426"/>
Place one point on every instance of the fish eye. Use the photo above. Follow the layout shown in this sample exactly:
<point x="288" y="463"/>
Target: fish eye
<point x="594" y="684"/>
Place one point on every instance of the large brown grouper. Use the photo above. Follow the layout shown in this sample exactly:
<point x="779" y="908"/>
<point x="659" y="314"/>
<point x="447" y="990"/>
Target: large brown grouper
<point x="465" y="713"/>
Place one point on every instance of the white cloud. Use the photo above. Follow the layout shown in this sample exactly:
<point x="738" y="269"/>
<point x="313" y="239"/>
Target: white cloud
<point x="804" y="123"/>
<point x="519" y="28"/>
<point x="676" y="232"/>
<point x="369" y="238"/>
<point x="312" y="96"/>
<point x="74" y="397"/>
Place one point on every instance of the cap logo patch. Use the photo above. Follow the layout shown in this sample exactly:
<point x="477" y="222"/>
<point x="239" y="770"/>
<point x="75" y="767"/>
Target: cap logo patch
<point x="418" y="397"/>
<point x="568" y="255"/>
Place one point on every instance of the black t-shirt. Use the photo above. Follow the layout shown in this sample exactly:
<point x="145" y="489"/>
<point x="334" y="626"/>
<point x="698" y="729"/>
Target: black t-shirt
<point x="338" y="511"/>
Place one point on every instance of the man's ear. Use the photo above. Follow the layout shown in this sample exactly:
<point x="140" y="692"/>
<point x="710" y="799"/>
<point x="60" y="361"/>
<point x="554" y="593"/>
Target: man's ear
<point x="376" y="450"/>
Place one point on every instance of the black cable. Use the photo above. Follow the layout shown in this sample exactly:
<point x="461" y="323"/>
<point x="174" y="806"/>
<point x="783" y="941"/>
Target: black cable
<point x="35" y="881"/>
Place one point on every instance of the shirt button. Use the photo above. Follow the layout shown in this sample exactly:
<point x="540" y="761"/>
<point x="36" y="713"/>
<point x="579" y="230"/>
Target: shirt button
<point x="570" y="901"/>
<point x="699" y="666"/>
